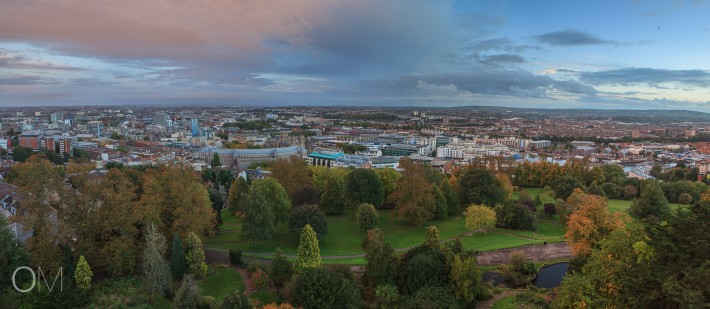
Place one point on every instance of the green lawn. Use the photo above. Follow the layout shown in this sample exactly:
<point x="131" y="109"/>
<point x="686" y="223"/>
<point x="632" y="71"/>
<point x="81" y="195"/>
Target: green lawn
<point x="344" y="236"/>
<point x="507" y="302"/>
<point x="220" y="281"/>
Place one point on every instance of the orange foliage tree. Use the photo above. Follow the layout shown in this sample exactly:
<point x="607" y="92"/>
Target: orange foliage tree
<point x="591" y="223"/>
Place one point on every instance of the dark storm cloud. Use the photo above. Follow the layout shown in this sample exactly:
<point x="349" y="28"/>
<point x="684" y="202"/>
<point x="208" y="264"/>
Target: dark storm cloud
<point x="571" y="38"/>
<point x="648" y="76"/>
<point x="502" y="59"/>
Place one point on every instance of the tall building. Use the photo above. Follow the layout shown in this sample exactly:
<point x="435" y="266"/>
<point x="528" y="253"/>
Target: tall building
<point x="635" y="134"/>
<point x="445" y="121"/>
<point x="163" y="120"/>
<point x="195" y="127"/>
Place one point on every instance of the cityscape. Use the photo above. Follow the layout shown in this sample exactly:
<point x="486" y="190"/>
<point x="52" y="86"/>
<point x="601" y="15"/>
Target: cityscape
<point x="355" y="154"/>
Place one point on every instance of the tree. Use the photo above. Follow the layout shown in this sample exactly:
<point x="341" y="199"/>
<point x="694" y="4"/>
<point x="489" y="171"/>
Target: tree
<point x="389" y="178"/>
<point x="422" y="266"/>
<point x="433" y="297"/>
<point x="178" y="264"/>
<point x="512" y="215"/>
<point x="308" y="215"/>
<point x="596" y="189"/>
<point x="442" y="209"/>
<point x="386" y="296"/>
<point x="479" y="217"/>
<point x="366" y="217"/>
<point x="155" y="269"/>
<point x="506" y="184"/>
<point x="216" y="162"/>
<point x="381" y="260"/>
<point x="83" y="274"/>
<point x="630" y="191"/>
<point x="294" y="175"/>
<point x="188" y="295"/>
<point x="266" y="205"/>
<point x="320" y="288"/>
<point x="476" y="185"/>
<point x="466" y="282"/>
<point x="591" y="223"/>
<point x="195" y="256"/>
<point x="414" y="197"/>
<point x="216" y="201"/>
<point x="21" y="154"/>
<point x="452" y="200"/>
<point x="280" y="271"/>
<point x="549" y="209"/>
<point x="332" y="200"/>
<point x="565" y="185"/>
<point x="238" y="192"/>
<point x="651" y="205"/>
<point x="363" y="186"/>
<point x="176" y="201"/>
<point x="12" y="256"/>
<point x="305" y="195"/>
<point x="432" y="237"/>
<point x="308" y="254"/>
<point x="235" y="300"/>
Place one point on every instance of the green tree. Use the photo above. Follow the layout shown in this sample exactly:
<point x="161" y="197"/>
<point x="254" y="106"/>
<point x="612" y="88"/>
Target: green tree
<point x="363" y="186"/>
<point x="195" y="256"/>
<point x="274" y="194"/>
<point x="477" y="185"/>
<point x="466" y="282"/>
<point x="238" y="192"/>
<point x="280" y="271"/>
<point x="332" y="199"/>
<point x="308" y="254"/>
<point x="216" y="162"/>
<point x="83" y="274"/>
<point x="178" y="264"/>
<point x="367" y="217"/>
<point x="596" y="189"/>
<point x="512" y="215"/>
<point x="479" y="217"/>
<point x="433" y="297"/>
<point x="308" y="215"/>
<point x="12" y="256"/>
<point x="389" y="178"/>
<point x="565" y="185"/>
<point x="452" y="199"/>
<point x="442" y="209"/>
<point x="216" y="201"/>
<point x="259" y="218"/>
<point x="381" y="260"/>
<point x="651" y="205"/>
<point x="155" y="269"/>
<point x="386" y="297"/>
<point x="21" y="154"/>
<point x="320" y="288"/>
<point x="422" y="266"/>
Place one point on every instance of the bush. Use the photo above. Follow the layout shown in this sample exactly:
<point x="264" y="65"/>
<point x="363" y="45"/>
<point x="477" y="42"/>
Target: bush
<point x="366" y="217"/>
<point x="685" y="198"/>
<point x="550" y="209"/>
<point x="235" y="256"/>
<point x="520" y="271"/>
<point x="515" y="216"/>
<point x="261" y="279"/>
<point x="531" y="298"/>
<point x="307" y="214"/>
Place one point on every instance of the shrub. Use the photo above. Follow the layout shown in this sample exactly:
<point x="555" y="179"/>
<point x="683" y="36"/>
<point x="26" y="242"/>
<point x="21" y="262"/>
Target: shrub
<point x="261" y="279"/>
<point x="550" y="209"/>
<point x="366" y="217"/>
<point x="235" y="256"/>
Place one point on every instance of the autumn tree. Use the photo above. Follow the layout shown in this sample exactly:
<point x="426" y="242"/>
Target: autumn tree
<point x="176" y="201"/>
<point x="308" y="254"/>
<point x="479" y="217"/>
<point x="590" y="224"/>
<point x="432" y="237"/>
<point x="195" y="256"/>
<point x="363" y="186"/>
<point x="414" y="198"/>
<point x="295" y="177"/>
<point x="506" y="184"/>
<point x="465" y="276"/>
<point x="476" y="185"/>
<point x="389" y="178"/>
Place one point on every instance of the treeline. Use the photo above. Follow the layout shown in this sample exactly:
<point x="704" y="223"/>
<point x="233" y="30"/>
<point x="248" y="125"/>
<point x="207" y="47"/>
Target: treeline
<point x="108" y="224"/>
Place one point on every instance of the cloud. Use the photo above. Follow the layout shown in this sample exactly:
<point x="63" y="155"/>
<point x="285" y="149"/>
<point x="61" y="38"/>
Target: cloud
<point x="570" y="38"/>
<point x="648" y="76"/>
<point x="502" y="59"/>
<point x="21" y="80"/>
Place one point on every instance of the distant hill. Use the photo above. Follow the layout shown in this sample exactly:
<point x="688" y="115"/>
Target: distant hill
<point x="625" y="115"/>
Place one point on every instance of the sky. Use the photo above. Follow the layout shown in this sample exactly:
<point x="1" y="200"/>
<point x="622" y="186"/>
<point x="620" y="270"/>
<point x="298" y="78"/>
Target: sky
<point x="619" y="54"/>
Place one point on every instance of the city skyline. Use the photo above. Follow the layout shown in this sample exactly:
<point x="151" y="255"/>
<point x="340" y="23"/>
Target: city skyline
<point x="556" y="54"/>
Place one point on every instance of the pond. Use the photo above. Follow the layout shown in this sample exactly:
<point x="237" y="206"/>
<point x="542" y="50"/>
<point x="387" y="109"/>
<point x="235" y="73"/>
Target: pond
<point x="551" y="276"/>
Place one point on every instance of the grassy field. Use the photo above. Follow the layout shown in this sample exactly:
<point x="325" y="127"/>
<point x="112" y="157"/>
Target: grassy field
<point x="220" y="281"/>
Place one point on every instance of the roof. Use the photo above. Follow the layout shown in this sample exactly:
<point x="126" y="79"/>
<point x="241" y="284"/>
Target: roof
<point x="327" y="156"/>
<point x="266" y="152"/>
